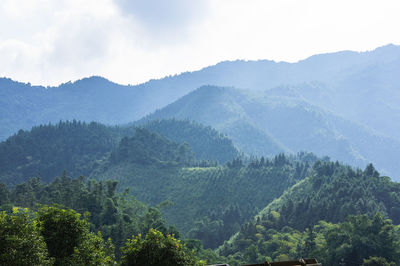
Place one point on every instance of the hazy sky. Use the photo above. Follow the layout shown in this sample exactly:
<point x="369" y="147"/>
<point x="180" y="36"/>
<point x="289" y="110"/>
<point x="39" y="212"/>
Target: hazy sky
<point x="130" y="41"/>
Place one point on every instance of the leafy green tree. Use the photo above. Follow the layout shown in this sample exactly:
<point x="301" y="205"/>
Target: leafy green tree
<point x="68" y="238"/>
<point x="20" y="240"/>
<point x="156" y="250"/>
<point x="377" y="261"/>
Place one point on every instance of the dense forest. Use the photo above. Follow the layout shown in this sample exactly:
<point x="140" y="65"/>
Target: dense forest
<point x="115" y="215"/>
<point x="49" y="149"/>
<point x="122" y="189"/>
<point x="323" y="204"/>
<point x="206" y="142"/>
<point x="79" y="147"/>
<point x="287" y="228"/>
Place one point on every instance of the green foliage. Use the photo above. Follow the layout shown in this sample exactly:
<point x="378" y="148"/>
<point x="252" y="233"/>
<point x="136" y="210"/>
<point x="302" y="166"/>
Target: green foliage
<point x="206" y="142"/>
<point x="80" y="148"/>
<point x="51" y="236"/>
<point x="146" y="147"/>
<point x="351" y="242"/>
<point x="156" y="249"/>
<point x="290" y="227"/>
<point x="332" y="192"/>
<point x="116" y="215"/>
<point x="62" y="230"/>
<point x="93" y="250"/>
<point x="377" y="261"/>
<point x="361" y="237"/>
<point x="210" y="203"/>
<point x="69" y="240"/>
<point x="49" y="149"/>
<point x="20" y="240"/>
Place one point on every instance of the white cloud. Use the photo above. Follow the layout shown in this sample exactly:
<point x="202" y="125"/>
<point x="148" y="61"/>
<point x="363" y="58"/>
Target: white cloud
<point x="164" y="19"/>
<point x="49" y="42"/>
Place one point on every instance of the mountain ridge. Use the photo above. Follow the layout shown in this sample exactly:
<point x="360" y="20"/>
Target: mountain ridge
<point x="285" y="124"/>
<point x="25" y="105"/>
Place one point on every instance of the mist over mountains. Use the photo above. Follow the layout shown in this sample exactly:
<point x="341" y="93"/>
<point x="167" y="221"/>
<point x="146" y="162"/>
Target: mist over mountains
<point x="343" y="105"/>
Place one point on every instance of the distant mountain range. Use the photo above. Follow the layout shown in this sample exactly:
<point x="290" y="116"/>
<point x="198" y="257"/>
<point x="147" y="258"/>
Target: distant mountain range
<point x="274" y="121"/>
<point x="344" y="104"/>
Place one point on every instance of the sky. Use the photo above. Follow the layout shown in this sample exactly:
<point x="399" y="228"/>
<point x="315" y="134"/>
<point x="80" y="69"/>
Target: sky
<point x="48" y="42"/>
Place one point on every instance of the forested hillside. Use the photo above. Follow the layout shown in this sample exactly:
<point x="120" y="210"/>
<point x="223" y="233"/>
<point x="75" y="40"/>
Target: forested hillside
<point x="116" y="215"/>
<point x="333" y="212"/>
<point x="206" y="142"/>
<point x="209" y="202"/>
<point x="278" y="121"/>
<point x="87" y="223"/>
<point x="306" y="203"/>
<point x="79" y="148"/>
<point x="299" y="223"/>
<point x="333" y="191"/>
<point x="47" y="150"/>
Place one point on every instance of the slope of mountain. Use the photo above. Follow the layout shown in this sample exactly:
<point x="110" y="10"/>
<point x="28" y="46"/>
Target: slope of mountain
<point x="115" y="215"/>
<point x="50" y="149"/>
<point x="209" y="202"/>
<point x="283" y="122"/>
<point x="78" y="147"/>
<point x="206" y="142"/>
<point x="223" y="108"/>
<point x="330" y="193"/>
<point x="372" y="74"/>
<point x="208" y="198"/>
<point x="90" y="99"/>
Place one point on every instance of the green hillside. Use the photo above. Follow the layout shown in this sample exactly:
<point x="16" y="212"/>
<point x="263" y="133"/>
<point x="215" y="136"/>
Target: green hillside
<point x="279" y="120"/>
<point x="209" y="201"/>
<point x="309" y="202"/>
<point x="47" y="150"/>
<point x="248" y="209"/>
<point x="115" y="215"/>
<point x="79" y="148"/>
<point x="206" y="142"/>
<point x="329" y="194"/>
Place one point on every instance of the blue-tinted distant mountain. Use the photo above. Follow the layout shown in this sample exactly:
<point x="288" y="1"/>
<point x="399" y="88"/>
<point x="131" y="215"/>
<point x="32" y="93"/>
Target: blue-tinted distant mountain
<point x="89" y="99"/>
<point x="280" y="120"/>
<point x="341" y="77"/>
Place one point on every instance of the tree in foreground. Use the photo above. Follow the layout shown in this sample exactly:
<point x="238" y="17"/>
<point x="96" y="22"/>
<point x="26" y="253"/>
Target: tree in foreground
<point x="20" y="240"/>
<point x="156" y="250"/>
<point x="69" y="240"/>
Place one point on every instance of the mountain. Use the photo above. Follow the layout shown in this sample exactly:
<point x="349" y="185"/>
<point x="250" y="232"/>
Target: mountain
<point x="47" y="150"/>
<point x="224" y="109"/>
<point x="206" y="142"/>
<point x="89" y="99"/>
<point x="373" y="74"/>
<point x="203" y="198"/>
<point x="329" y="194"/>
<point x="208" y="202"/>
<point x="277" y="120"/>
<point x="78" y="147"/>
